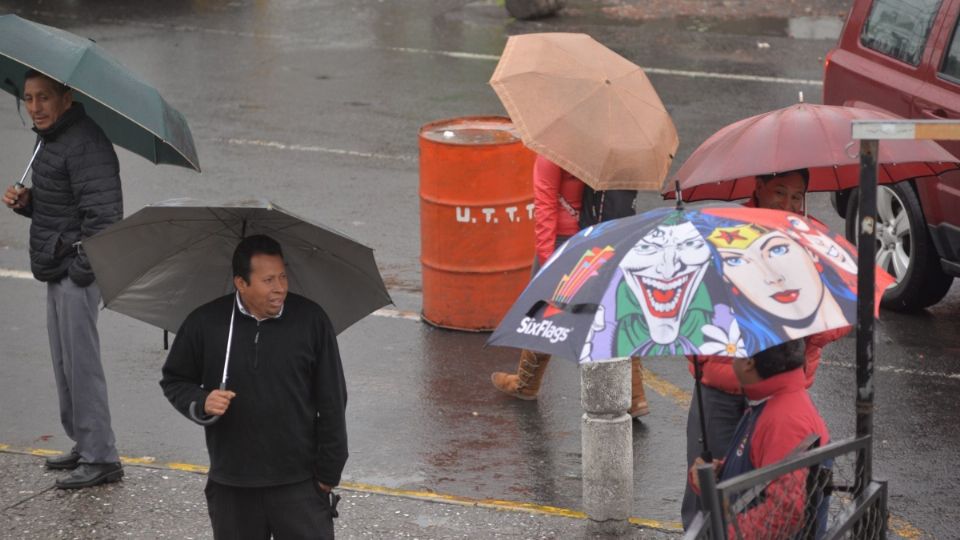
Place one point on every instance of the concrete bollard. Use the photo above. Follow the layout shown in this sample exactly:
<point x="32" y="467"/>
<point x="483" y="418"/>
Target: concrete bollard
<point x="607" y="443"/>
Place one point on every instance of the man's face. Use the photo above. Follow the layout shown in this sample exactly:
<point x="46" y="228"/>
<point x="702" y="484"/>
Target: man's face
<point x="43" y="103"/>
<point x="784" y="192"/>
<point x="663" y="270"/>
<point x="264" y="295"/>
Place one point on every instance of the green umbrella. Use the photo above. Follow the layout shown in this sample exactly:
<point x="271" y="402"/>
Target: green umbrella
<point x="130" y="111"/>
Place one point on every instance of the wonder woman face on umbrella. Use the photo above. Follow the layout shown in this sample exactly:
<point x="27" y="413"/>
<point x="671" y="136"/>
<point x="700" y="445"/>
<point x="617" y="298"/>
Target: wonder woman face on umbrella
<point x="771" y="270"/>
<point x="663" y="270"/>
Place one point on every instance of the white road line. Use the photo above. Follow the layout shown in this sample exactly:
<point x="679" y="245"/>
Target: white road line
<point x="659" y="71"/>
<point x="383" y="312"/>
<point x="897" y="370"/>
<point x="319" y="149"/>
<point x="451" y="54"/>
<point x="413" y="316"/>
<point x="397" y="314"/>
<point x="18" y="274"/>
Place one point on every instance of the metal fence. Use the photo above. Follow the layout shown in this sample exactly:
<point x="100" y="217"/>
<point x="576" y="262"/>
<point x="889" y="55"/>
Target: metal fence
<point x="816" y="494"/>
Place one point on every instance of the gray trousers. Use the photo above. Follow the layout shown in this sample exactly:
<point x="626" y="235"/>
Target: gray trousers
<point x="722" y="412"/>
<point x="81" y="386"/>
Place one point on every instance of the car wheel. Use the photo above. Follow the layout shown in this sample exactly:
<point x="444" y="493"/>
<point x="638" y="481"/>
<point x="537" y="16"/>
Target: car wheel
<point x="904" y="248"/>
<point x="526" y="10"/>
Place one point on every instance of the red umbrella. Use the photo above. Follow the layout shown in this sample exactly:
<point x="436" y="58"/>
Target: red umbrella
<point x="802" y="136"/>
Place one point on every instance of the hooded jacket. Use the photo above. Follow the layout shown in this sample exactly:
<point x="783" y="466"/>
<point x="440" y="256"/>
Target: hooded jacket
<point x="75" y="194"/>
<point x="780" y="417"/>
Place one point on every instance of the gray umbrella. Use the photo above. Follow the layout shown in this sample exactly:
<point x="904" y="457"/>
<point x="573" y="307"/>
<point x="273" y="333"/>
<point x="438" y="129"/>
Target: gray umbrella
<point x="167" y="259"/>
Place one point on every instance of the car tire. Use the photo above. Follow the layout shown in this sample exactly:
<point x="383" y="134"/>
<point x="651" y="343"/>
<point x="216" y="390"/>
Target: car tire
<point x="904" y="248"/>
<point x="526" y="10"/>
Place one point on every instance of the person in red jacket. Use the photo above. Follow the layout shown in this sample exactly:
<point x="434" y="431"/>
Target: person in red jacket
<point x="778" y="421"/>
<point x="723" y="400"/>
<point x="557" y="199"/>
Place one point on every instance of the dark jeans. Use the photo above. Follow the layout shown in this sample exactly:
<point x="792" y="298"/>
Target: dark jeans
<point x="291" y="512"/>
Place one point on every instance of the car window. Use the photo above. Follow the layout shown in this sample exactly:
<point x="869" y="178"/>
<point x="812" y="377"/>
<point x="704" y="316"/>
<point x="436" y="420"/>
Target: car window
<point x="899" y="28"/>
<point x="951" y="61"/>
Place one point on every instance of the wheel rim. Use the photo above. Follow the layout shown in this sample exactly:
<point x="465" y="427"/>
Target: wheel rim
<point x="894" y="237"/>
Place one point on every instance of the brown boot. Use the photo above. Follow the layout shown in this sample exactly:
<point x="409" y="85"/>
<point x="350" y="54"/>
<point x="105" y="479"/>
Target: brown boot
<point x="526" y="383"/>
<point x="638" y="399"/>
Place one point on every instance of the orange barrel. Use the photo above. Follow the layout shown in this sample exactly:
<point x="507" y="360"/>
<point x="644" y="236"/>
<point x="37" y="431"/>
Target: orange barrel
<point x="476" y="220"/>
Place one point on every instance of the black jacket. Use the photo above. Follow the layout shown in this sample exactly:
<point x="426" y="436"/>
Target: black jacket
<point x="75" y="194"/>
<point x="287" y="422"/>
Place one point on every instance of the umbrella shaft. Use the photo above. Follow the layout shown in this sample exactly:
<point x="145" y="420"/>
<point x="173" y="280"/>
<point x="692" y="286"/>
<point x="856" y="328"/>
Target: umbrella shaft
<point x="30" y="164"/>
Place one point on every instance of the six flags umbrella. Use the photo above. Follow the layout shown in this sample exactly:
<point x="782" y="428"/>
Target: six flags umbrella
<point x="720" y="279"/>
<point x="802" y="136"/>
<point x="587" y="109"/>
<point x="131" y="112"/>
<point x="160" y="263"/>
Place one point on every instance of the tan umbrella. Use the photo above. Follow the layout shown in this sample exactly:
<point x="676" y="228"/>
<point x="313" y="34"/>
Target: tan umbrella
<point x="587" y="109"/>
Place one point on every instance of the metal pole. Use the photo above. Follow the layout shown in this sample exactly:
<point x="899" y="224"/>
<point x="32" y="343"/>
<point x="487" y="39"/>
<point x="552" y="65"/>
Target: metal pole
<point x="710" y="500"/>
<point x="607" y="444"/>
<point x="866" y="278"/>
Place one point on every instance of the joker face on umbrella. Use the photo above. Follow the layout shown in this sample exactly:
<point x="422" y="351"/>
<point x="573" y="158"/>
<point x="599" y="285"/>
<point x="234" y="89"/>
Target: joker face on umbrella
<point x="663" y="270"/>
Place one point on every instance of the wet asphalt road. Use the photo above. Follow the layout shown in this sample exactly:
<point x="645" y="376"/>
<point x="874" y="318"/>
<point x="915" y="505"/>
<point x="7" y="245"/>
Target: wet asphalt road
<point x="316" y="105"/>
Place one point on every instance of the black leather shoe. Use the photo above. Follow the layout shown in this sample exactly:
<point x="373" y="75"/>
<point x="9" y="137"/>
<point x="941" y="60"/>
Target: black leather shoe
<point x="68" y="461"/>
<point x="91" y="474"/>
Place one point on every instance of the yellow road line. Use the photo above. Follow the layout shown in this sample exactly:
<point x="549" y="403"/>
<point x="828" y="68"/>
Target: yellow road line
<point x="494" y="504"/>
<point x="666" y="389"/>
<point x="901" y="528"/>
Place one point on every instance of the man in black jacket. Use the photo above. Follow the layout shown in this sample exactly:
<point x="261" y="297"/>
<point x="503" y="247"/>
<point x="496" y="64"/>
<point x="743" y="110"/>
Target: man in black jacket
<point x="75" y="194"/>
<point x="280" y="443"/>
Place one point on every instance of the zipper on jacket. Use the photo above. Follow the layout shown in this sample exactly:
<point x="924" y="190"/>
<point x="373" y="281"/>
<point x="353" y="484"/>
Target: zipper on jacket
<point x="256" y="347"/>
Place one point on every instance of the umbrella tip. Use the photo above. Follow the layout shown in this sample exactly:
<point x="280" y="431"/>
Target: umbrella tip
<point x="801" y="96"/>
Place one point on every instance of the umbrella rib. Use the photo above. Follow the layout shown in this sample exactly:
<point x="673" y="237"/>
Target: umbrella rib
<point x="626" y="89"/>
<point x="164" y="259"/>
<point x="335" y="257"/>
<point x="556" y="156"/>
<point x="582" y="65"/>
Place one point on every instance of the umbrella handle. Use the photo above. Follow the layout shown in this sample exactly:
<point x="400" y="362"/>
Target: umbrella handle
<point x="198" y="418"/>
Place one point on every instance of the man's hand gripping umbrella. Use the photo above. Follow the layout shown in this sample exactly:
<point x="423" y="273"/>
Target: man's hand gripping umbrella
<point x="218" y="400"/>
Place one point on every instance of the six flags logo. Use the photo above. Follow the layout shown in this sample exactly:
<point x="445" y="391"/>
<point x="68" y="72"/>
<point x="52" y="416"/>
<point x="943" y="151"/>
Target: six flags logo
<point x="543" y="329"/>
<point x="586" y="268"/>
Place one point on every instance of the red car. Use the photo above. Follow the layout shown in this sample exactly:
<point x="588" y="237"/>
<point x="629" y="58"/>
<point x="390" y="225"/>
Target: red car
<point x="903" y="57"/>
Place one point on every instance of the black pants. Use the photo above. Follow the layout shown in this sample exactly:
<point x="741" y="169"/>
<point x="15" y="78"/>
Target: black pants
<point x="291" y="512"/>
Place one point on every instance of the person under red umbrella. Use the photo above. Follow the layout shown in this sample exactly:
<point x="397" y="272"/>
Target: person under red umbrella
<point x="723" y="398"/>
<point x="557" y="207"/>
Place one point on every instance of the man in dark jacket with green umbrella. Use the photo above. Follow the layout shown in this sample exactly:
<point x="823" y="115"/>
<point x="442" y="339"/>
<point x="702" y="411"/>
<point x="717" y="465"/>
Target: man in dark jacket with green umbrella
<point x="76" y="194"/>
<point x="267" y="364"/>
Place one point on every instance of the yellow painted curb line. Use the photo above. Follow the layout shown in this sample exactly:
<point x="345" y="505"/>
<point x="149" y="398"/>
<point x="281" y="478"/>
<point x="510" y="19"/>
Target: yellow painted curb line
<point x="666" y="389"/>
<point x="494" y="504"/>
<point x="900" y="527"/>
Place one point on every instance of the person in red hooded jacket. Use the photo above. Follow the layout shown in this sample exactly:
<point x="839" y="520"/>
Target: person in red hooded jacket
<point x="723" y="399"/>
<point x="779" y="420"/>
<point x="558" y="200"/>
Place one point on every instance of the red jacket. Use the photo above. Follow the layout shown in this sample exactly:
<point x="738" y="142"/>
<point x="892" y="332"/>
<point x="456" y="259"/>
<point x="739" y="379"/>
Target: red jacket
<point x="787" y="418"/>
<point x="551" y="218"/>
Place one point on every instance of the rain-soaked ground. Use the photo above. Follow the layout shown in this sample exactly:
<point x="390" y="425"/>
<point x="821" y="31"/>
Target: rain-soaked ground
<point x="316" y="105"/>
